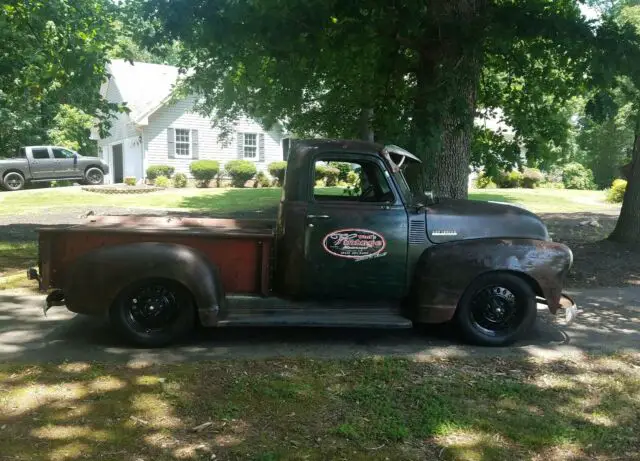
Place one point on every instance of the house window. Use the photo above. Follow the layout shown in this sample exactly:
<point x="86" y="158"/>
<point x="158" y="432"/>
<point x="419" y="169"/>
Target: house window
<point x="183" y="143"/>
<point x="250" y="146"/>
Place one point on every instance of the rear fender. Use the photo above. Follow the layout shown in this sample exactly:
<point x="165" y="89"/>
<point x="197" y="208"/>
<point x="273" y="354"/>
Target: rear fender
<point x="97" y="277"/>
<point x="445" y="271"/>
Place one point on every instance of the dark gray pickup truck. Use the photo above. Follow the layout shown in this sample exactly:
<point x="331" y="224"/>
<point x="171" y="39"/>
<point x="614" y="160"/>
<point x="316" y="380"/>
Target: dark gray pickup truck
<point x="49" y="163"/>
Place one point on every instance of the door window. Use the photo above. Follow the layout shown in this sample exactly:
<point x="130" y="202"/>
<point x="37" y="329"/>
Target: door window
<point x="354" y="181"/>
<point x="59" y="152"/>
<point x="40" y="153"/>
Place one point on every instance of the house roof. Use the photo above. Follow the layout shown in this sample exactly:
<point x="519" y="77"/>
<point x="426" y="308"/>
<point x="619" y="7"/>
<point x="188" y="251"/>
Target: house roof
<point x="144" y="87"/>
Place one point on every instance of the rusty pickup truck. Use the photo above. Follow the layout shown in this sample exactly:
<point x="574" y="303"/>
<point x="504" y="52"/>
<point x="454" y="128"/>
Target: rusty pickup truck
<point x="374" y="254"/>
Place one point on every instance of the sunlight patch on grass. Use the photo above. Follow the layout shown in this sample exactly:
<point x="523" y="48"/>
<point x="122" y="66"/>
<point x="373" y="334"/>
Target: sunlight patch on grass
<point x="368" y="409"/>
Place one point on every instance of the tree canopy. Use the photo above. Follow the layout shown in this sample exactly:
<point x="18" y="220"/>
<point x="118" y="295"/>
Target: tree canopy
<point x="52" y="53"/>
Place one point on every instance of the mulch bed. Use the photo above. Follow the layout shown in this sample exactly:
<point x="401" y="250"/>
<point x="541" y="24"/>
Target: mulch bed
<point x="597" y="262"/>
<point x="122" y="189"/>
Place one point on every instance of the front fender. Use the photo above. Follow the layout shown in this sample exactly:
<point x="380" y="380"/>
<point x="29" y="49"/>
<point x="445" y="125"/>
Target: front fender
<point x="97" y="277"/>
<point x="444" y="271"/>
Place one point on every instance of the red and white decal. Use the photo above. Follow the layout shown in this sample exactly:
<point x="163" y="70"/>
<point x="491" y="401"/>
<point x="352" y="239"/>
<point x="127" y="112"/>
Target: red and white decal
<point x="354" y="244"/>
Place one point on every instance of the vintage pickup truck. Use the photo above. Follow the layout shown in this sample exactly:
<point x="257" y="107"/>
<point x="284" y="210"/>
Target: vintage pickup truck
<point x="49" y="163"/>
<point x="374" y="255"/>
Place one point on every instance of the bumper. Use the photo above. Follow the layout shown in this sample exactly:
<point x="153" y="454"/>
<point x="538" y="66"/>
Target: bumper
<point x="567" y="312"/>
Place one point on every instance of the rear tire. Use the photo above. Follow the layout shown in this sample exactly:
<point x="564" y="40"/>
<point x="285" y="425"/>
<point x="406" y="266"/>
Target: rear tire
<point x="13" y="181"/>
<point x="153" y="312"/>
<point x="94" y="176"/>
<point x="497" y="309"/>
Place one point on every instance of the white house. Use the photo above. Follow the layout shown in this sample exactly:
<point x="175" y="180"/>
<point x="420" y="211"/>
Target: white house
<point x="160" y="131"/>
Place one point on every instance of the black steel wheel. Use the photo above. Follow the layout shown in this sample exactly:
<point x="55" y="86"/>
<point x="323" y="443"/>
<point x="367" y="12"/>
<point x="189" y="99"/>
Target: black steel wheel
<point x="154" y="312"/>
<point x="497" y="309"/>
<point x="94" y="176"/>
<point x="13" y="181"/>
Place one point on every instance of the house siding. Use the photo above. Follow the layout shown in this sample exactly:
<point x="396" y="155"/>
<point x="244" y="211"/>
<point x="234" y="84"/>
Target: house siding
<point x="121" y="126"/>
<point x="180" y="115"/>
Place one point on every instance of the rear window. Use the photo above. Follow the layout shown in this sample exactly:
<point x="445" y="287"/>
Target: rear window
<point x="40" y="154"/>
<point x="22" y="153"/>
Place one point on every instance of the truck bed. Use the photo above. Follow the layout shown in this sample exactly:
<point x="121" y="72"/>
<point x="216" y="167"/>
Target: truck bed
<point x="241" y="249"/>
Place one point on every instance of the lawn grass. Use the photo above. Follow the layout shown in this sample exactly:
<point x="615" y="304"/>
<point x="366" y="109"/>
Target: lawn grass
<point x="369" y="409"/>
<point x="207" y="200"/>
<point x="220" y="201"/>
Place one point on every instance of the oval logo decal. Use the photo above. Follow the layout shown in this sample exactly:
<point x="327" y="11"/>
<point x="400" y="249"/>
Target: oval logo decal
<point x="354" y="243"/>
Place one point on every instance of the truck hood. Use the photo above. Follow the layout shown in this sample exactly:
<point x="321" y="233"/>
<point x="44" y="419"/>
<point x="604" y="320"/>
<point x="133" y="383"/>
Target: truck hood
<point x="451" y="220"/>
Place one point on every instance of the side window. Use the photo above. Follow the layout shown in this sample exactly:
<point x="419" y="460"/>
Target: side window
<point x="40" y="153"/>
<point x="354" y="181"/>
<point x="58" y="152"/>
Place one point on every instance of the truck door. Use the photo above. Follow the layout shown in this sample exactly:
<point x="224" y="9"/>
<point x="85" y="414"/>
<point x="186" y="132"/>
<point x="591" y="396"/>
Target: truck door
<point x="41" y="163"/>
<point x="66" y="163"/>
<point x="356" y="237"/>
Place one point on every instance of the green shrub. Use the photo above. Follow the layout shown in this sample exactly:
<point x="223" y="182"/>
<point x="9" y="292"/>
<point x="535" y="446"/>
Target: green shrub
<point x="130" y="180"/>
<point x="353" y="178"/>
<point x="180" y="180"/>
<point x="531" y="178"/>
<point x="162" y="181"/>
<point x="160" y="170"/>
<point x="277" y="170"/>
<point x="328" y="174"/>
<point x="343" y="167"/>
<point x="61" y="183"/>
<point x="240" y="171"/>
<point x="485" y="182"/>
<point x="509" y="179"/>
<point x="331" y="176"/>
<point x="616" y="193"/>
<point x="262" y="180"/>
<point x="576" y="176"/>
<point x="551" y="185"/>
<point x="321" y="172"/>
<point x="203" y="171"/>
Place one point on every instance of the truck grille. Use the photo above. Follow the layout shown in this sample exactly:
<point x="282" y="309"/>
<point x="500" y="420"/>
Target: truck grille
<point x="417" y="231"/>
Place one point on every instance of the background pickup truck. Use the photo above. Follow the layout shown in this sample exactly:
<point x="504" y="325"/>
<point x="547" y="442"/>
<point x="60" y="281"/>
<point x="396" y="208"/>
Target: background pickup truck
<point x="374" y="255"/>
<point x="49" y="163"/>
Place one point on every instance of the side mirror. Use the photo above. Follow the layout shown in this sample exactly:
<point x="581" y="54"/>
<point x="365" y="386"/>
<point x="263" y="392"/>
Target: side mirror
<point x="429" y="195"/>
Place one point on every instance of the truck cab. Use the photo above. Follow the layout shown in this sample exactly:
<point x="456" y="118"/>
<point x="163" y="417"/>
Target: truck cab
<point x="371" y="254"/>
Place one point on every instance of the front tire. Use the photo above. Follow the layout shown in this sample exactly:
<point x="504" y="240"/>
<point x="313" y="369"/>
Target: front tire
<point x="154" y="312"/>
<point x="497" y="309"/>
<point x="13" y="181"/>
<point x="94" y="176"/>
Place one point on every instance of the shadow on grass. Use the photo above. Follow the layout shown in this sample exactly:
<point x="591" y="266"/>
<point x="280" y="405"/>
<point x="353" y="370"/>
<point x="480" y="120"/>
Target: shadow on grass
<point x="235" y="203"/>
<point x="371" y="409"/>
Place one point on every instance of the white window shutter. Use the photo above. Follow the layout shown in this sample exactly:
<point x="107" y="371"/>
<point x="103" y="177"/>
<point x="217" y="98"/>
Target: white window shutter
<point x="195" y="151"/>
<point x="171" y="142"/>
<point x="261" y="146"/>
<point x="240" y="145"/>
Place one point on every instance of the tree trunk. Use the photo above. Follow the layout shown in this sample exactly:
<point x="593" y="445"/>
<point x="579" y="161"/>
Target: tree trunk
<point x="366" y="125"/>
<point x="628" y="226"/>
<point x="448" y="78"/>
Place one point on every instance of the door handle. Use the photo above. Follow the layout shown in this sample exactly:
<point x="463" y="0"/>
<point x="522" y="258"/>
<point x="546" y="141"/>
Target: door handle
<point x="318" y="216"/>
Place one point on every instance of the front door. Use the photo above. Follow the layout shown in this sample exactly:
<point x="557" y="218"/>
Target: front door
<point x="66" y="163"/>
<point x="118" y="169"/>
<point x="356" y="236"/>
<point x="42" y="164"/>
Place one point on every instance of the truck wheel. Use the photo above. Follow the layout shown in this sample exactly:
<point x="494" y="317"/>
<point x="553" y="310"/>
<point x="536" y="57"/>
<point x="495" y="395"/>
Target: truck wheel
<point x="94" y="176"/>
<point x="13" y="181"/>
<point x="153" y="313"/>
<point x="496" y="310"/>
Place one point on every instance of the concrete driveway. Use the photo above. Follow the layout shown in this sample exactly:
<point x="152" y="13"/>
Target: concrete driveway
<point x="609" y="321"/>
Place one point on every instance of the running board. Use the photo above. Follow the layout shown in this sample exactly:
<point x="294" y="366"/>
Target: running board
<point x="275" y="312"/>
